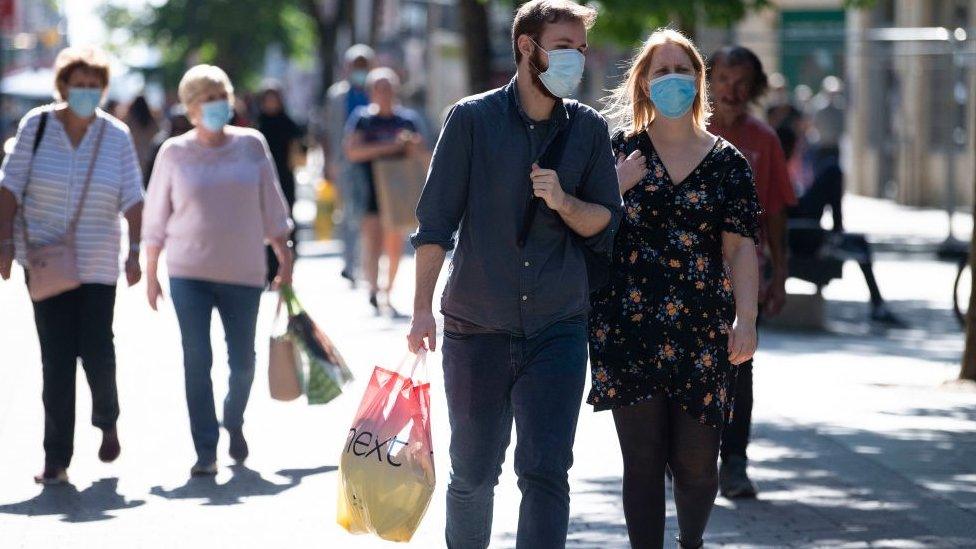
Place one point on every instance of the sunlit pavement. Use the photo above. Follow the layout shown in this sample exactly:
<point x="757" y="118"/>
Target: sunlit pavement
<point x="859" y="442"/>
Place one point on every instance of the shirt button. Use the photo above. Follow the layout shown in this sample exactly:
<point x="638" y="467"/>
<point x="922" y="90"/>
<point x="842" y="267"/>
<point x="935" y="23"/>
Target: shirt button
<point x="525" y="298"/>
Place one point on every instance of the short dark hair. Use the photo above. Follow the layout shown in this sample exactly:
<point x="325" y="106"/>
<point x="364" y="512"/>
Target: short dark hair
<point x="533" y="16"/>
<point x="737" y="56"/>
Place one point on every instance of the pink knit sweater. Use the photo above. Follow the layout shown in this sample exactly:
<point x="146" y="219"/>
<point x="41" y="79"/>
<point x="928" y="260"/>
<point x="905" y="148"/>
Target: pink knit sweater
<point x="213" y="208"/>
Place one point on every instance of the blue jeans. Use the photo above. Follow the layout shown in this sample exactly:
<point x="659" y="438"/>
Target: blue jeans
<point x="491" y="379"/>
<point x="237" y="306"/>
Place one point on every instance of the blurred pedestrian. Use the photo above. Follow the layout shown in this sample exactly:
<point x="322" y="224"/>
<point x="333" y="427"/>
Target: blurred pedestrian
<point x="382" y="129"/>
<point x="737" y="81"/>
<point x="144" y="127"/>
<point x="176" y="124"/>
<point x="526" y="179"/>
<point x="343" y="98"/>
<point x="72" y="173"/>
<point x="670" y="329"/>
<point x="214" y="200"/>
<point x="284" y="140"/>
<point x="826" y="189"/>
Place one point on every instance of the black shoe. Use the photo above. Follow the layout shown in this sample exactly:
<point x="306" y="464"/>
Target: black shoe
<point x="110" y="448"/>
<point x="733" y="480"/>
<point x="238" y="445"/>
<point x="683" y="545"/>
<point x="348" y="276"/>
<point x="882" y="315"/>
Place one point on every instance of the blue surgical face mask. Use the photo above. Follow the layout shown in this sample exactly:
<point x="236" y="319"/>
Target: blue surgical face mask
<point x="564" y="73"/>
<point x="216" y="114"/>
<point x="358" y="78"/>
<point x="673" y="94"/>
<point x="84" y="101"/>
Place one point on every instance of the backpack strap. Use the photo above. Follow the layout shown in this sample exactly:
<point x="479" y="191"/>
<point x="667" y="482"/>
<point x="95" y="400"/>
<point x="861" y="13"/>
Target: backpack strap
<point x="41" y="125"/>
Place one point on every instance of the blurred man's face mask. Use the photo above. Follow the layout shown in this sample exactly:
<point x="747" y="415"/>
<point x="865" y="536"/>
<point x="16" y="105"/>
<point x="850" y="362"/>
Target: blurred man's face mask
<point x="564" y="73"/>
<point x="358" y="78"/>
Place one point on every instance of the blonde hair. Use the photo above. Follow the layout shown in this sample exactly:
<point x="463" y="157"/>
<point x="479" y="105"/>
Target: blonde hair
<point x="201" y="79"/>
<point x="71" y="59"/>
<point x="629" y="106"/>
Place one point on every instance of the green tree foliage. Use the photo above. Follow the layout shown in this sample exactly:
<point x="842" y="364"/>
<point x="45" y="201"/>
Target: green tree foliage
<point x="233" y="34"/>
<point x="626" y="22"/>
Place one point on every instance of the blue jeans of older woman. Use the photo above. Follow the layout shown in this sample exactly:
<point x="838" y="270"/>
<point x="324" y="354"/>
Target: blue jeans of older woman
<point x="237" y="306"/>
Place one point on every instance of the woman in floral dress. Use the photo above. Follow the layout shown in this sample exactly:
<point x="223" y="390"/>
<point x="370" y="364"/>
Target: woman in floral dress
<point x="679" y="312"/>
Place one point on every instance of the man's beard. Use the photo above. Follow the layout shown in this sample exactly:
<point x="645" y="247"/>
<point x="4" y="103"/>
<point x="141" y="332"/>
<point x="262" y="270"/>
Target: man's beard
<point x="534" y="63"/>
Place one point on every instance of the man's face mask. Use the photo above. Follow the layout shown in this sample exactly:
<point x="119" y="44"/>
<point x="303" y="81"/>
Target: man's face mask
<point x="673" y="94"/>
<point x="564" y="73"/>
<point x="84" y="101"/>
<point x="358" y="78"/>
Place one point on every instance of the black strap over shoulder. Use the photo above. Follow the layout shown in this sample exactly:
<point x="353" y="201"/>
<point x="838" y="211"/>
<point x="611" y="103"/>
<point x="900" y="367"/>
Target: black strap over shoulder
<point x="550" y="159"/>
<point x="40" y="132"/>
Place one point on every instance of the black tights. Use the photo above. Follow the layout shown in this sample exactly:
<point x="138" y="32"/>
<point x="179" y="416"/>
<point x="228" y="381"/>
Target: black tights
<point x="653" y="435"/>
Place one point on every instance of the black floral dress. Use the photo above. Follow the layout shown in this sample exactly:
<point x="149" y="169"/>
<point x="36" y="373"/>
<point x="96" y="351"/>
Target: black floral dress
<point x="661" y="324"/>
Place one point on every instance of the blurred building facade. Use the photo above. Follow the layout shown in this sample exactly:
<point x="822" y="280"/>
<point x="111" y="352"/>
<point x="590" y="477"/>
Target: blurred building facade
<point x="909" y="68"/>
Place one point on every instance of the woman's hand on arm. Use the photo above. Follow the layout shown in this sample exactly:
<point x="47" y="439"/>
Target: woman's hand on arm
<point x="286" y="261"/>
<point x="133" y="218"/>
<point x="153" y="290"/>
<point x="357" y="150"/>
<point x="740" y="254"/>
<point x="630" y="170"/>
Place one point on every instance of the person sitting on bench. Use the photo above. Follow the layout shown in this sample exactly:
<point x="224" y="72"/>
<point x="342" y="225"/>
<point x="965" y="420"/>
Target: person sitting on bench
<point x="827" y="189"/>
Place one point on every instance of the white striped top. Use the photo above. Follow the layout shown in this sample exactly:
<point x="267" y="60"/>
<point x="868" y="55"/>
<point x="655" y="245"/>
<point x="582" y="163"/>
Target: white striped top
<point x="56" y="184"/>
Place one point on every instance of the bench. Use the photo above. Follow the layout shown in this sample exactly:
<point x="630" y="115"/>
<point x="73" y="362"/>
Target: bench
<point x="809" y="261"/>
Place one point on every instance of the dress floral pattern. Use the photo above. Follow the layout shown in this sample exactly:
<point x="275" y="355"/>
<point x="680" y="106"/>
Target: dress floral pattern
<point x="661" y="324"/>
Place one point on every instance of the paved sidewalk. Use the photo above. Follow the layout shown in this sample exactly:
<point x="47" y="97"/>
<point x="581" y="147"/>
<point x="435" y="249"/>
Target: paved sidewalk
<point x="858" y="441"/>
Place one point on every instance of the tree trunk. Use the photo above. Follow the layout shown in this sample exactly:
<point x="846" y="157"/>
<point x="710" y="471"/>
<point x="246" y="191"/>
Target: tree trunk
<point x="327" y="26"/>
<point x="968" y="370"/>
<point x="477" y="44"/>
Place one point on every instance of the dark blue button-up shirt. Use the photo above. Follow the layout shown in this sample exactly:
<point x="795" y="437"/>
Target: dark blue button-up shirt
<point x="479" y="187"/>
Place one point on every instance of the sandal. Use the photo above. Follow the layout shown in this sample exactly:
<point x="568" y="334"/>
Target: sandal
<point x="52" y="476"/>
<point x="204" y="469"/>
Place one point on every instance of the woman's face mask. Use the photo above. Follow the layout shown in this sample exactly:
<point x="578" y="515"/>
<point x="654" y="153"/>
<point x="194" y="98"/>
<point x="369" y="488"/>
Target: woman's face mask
<point x="564" y="73"/>
<point x="215" y="114"/>
<point x="84" y="101"/>
<point x="673" y="94"/>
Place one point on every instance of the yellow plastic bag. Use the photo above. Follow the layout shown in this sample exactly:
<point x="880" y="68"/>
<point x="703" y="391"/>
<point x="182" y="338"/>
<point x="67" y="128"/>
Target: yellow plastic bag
<point x="386" y="472"/>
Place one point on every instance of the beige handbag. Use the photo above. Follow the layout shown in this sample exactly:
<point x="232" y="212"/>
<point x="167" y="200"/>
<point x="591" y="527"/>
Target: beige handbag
<point x="399" y="182"/>
<point x="53" y="269"/>
<point x="284" y="365"/>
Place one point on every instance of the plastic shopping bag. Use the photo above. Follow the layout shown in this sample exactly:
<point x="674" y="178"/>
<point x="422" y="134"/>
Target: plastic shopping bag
<point x="386" y="472"/>
<point x="327" y="371"/>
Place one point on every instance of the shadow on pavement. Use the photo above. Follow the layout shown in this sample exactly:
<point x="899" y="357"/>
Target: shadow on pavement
<point x="243" y="483"/>
<point x="89" y="505"/>
<point x="822" y="487"/>
<point x="932" y="334"/>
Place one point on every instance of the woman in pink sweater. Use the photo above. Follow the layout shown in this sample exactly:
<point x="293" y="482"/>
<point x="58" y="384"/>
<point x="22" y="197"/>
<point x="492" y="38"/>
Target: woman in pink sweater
<point x="214" y="200"/>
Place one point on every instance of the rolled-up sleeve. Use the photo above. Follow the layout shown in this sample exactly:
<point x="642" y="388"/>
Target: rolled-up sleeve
<point x="600" y="186"/>
<point x="159" y="206"/>
<point x="445" y="193"/>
